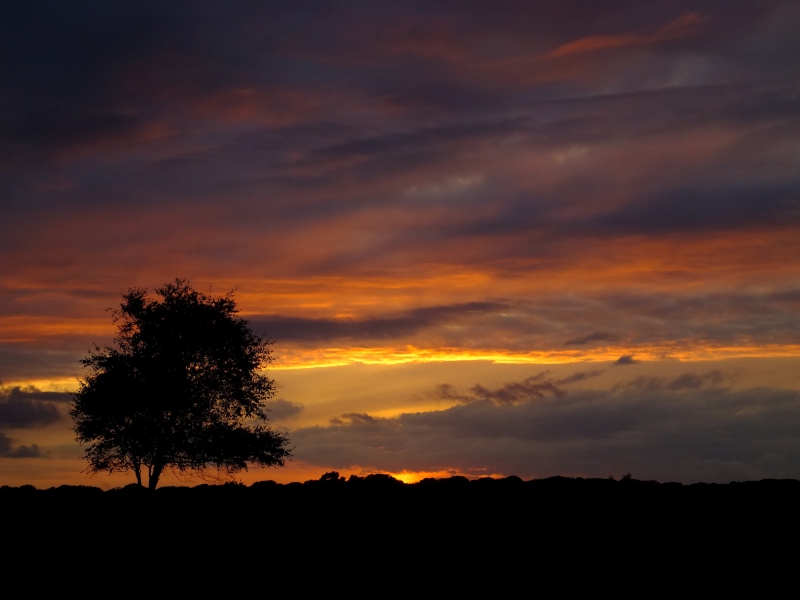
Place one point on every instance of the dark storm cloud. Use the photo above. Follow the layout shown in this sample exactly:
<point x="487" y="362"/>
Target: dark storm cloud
<point x="299" y="329"/>
<point x="708" y="433"/>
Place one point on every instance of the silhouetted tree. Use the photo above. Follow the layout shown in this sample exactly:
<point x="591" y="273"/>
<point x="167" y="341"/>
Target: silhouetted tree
<point x="182" y="388"/>
<point x="332" y="477"/>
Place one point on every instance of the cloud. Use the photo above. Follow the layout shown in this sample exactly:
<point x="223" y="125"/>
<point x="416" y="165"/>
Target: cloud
<point x="26" y="408"/>
<point x="624" y="360"/>
<point x="595" y="336"/>
<point x="684" y="26"/>
<point x="533" y="388"/>
<point x="21" y="393"/>
<point x="357" y="419"/>
<point x="285" y="142"/>
<point x="580" y="376"/>
<point x="718" y="318"/>
<point x="281" y="410"/>
<point x="7" y="450"/>
<point x="677" y="432"/>
<point x="392" y="326"/>
<point x="36" y="359"/>
<point x="23" y="409"/>
<point x="445" y="391"/>
<point x="717" y="207"/>
<point x="685" y="381"/>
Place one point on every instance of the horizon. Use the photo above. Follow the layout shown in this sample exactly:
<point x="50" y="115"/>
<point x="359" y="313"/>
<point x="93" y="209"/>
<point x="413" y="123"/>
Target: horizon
<point x="380" y="480"/>
<point x="531" y="239"/>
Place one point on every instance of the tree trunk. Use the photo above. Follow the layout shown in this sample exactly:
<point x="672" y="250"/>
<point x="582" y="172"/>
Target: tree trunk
<point x="154" y="475"/>
<point x="137" y="469"/>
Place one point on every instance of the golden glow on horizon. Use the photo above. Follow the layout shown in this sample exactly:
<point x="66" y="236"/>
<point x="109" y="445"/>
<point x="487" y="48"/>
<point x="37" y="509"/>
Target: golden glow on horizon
<point x="70" y="471"/>
<point x="415" y="476"/>
<point x="332" y="357"/>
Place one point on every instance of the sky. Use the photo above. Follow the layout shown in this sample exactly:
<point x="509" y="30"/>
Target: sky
<point x="488" y="238"/>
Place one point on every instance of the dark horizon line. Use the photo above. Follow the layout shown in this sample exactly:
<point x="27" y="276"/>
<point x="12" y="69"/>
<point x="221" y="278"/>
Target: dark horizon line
<point x="332" y="479"/>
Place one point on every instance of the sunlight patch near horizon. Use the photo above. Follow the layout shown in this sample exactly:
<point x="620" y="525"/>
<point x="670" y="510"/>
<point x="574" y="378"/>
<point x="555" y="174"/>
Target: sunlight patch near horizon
<point x="416" y="476"/>
<point x="286" y="359"/>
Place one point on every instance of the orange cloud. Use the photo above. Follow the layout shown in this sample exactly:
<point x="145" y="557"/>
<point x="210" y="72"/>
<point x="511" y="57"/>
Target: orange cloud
<point x="684" y="26"/>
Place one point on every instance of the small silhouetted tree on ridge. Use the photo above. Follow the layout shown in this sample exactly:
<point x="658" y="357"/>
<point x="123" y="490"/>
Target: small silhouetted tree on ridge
<point x="182" y="388"/>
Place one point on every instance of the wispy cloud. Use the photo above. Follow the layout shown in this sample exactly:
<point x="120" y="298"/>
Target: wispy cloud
<point x="535" y="387"/>
<point x="684" y="26"/>
<point x="595" y="336"/>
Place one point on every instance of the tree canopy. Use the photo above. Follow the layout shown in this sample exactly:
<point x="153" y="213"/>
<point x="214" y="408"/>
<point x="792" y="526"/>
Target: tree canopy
<point x="181" y="388"/>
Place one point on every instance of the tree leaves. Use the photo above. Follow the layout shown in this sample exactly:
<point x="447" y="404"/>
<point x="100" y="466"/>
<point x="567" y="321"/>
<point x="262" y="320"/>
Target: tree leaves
<point x="178" y="388"/>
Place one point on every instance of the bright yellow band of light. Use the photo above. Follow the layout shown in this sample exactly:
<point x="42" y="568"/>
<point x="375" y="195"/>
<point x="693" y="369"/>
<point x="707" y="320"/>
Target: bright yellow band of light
<point x="330" y="357"/>
<point x="288" y="359"/>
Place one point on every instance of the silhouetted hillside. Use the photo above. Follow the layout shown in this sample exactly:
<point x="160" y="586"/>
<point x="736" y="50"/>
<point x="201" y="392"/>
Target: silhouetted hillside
<point x="334" y="495"/>
<point x="483" y="527"/>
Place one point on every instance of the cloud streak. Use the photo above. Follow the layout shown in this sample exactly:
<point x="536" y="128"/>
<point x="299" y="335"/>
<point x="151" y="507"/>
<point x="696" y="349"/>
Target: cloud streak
<point x="535" y="387"/>
<point x="684" y="26"/>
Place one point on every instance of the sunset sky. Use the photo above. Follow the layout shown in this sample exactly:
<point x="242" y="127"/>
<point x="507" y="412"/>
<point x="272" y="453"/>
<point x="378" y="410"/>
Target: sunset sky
<point x="489" y="238"/>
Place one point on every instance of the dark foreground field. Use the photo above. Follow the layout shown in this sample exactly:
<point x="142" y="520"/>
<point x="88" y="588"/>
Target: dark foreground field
<point x="377" y="520"/>
<point x="384" y="488"/>
<point x="379" y="497"/>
